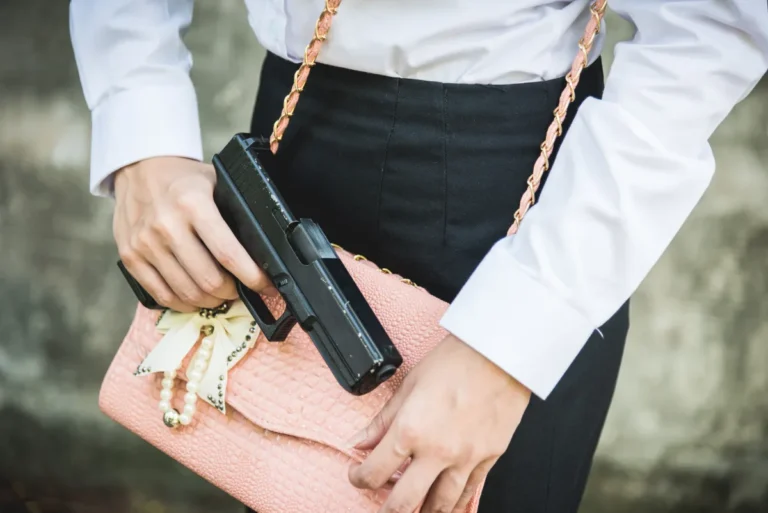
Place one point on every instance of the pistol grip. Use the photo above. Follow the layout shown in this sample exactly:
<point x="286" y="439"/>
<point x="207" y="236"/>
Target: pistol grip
<point x="275" y="330"/>
<point x="141" y="294"/>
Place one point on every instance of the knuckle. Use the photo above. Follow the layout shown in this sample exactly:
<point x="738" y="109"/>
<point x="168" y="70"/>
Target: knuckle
<point x="476" y="454"/>
<point x="455" y="482"/>
<point x="163" y="225"/>
<point x="188" y="202"/>
<point x="497" y="451"/>
<point x="191" y="296"/>
<point x="142" y="242"/>
<point x="408" y="433"/>
<point x="128" y="255"/>
<point x="213" y="283"/>
<point x="163" y="297"/>
<point x="225" y="258"/>
<point x="448" y="452"/>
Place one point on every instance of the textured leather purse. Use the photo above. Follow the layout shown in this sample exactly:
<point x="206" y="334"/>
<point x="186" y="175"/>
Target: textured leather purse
<point x="267" y="422"/>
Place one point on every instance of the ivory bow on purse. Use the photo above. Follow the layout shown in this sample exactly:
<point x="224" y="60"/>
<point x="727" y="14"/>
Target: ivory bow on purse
<point x="228" y="333"/>
<point x="274" y="427"/>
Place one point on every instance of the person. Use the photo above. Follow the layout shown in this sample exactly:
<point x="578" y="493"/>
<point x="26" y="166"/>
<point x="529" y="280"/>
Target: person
<point x="412" y="144"/>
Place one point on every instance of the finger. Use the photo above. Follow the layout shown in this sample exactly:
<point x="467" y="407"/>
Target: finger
<point x="412" y="488"/>
<point x="446" y="491"/>
<point x="182" y="284"/>
<point x="227" y="250"/>
<point x="209" y="276"/>
<point x="473" y="482"/>
<point x="368" y="437"/>
<point x="154" y="284"/>
<point x="386" y="459"/>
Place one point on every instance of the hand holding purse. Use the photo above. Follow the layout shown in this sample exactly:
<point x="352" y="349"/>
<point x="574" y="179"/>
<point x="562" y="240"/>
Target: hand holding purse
<point x="272" y="426"/>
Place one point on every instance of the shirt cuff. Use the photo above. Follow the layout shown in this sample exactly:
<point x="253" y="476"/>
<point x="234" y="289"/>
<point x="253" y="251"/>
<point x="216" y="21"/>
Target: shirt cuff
<point x="516" y="322"/>
<point x="142" y="123"/>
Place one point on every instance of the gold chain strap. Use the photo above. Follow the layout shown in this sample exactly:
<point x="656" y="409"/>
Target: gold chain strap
<point x="299" y="81"/>
<point x="300" y="77"/>
<point x="361" y="258"/>
<point x="555" y="130"/>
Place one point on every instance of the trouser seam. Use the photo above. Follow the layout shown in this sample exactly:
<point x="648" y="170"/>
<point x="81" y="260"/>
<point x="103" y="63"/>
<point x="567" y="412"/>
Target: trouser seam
<point x="384" y="167"/>
<point x="445" y="165"/>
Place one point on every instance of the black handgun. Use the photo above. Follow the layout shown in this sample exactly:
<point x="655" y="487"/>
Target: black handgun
<point x="318" y="291"/>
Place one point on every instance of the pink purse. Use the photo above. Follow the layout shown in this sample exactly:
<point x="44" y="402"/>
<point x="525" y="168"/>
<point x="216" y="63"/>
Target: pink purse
<point x="272" y="424"/>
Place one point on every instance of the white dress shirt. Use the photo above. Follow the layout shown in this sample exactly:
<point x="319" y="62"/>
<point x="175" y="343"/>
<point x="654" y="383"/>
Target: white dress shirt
<point x="629" y="172"/>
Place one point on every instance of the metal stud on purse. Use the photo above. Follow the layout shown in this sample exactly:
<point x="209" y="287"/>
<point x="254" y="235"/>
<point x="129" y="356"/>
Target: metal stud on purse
<point x="272" y="427"/>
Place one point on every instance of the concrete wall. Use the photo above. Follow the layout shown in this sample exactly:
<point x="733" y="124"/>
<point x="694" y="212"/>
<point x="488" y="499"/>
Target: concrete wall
<point x="689" y="427"/>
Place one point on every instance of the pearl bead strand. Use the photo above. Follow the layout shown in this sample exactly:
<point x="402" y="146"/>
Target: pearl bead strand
<point x="199" y="364"/>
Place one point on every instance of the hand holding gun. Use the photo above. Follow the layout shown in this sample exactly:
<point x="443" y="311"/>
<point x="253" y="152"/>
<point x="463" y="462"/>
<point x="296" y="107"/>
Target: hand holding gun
<point x="319" y="293"/>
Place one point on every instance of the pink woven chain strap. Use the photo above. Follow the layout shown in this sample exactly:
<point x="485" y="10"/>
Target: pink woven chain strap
<point x="555" y="130"/>
<point x="300" y="77"/>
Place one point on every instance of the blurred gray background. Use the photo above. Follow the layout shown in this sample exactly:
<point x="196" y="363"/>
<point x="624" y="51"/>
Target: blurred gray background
<point x="688" y="431"/>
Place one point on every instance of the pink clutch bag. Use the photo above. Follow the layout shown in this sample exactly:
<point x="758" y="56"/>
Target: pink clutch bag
<point x="267" y="422"/>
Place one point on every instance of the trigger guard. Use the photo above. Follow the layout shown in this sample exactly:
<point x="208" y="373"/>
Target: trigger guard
<point x="274" y="330"/>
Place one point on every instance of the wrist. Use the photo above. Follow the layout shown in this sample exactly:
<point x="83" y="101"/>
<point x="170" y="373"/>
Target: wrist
<point x="118" y="179"/>
<point x="518" y="388"/>
<point x="499" y="375"/>
<point x="146" y="169"/>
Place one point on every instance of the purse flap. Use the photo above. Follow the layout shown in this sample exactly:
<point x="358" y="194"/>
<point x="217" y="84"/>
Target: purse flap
<point x="286" y="387"/>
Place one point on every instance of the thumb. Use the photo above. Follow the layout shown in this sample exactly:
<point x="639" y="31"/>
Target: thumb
<point x="368" y="437"/>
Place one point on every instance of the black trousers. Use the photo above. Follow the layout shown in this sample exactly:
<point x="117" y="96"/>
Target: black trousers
<point x="422" y="178"/>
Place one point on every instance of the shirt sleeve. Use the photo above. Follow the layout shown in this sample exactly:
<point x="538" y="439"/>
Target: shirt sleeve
<point x="629" y="172"/>
<point x="134" y="71"/>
